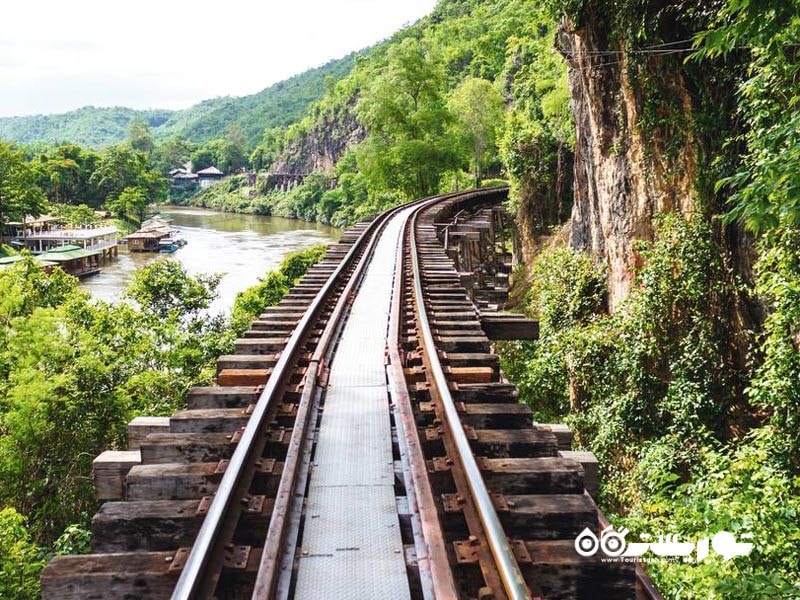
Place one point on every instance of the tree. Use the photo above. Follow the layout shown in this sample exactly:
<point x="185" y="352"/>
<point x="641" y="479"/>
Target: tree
<point x="236" y="136"/>
<point x="20" y="558"/>
<point x="171" y="154"/>
<point x="64" y="175"/>
<point x="272" y="143"/>
<point x="766" y="186"/>
<point x="203" y="157"/>
<point x="478" y="108"/>
<point x="121" y="167"/>
<point x="75" y="215"/>
<point x="131" y="204"/>
<point x="222" y="153"/>
<point x="19" y="193"/>
<point x="139" y="137"/>
<point x="62" y="178"/>
<point x="164" y="289"/>
<point x="408" y="147"/>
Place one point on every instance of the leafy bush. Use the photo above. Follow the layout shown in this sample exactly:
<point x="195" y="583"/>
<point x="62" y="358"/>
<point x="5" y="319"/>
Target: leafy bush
<point x="295" y="264"/>
<point x="21" y="559"/>
<point x="774" y="387"/>
<point x="738" y="488"/>
<point x="73" y="371"/>
<point x="652" y="390"/>
<point x="273" y="287"/>
<point x="252" y="302"/>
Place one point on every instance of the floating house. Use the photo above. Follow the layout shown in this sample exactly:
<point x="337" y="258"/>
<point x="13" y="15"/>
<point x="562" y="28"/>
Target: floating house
<point x="29" y="226"/>
<point x="74" y="260"/>
<point x="43" y="234"/>
<point x="77" y="250"/>
<point x="156" y="235"/>
<point x="8" y="261"/>
<point x="146" y="241"/>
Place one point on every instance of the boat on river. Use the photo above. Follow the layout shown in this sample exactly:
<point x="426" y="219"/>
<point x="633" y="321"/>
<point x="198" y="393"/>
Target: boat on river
<point x="156" y="235"/>
<point x="170" y="244"/>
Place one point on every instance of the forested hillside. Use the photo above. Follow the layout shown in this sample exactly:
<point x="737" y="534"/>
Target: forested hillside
<point x="88" y="126"/>
<point x="276" y="106"/>
<point x="426" y="111"/>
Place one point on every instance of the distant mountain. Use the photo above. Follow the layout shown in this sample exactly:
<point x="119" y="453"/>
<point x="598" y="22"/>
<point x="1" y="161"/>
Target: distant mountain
<point x="87" y="126"/>
<point x="278" y="105"/>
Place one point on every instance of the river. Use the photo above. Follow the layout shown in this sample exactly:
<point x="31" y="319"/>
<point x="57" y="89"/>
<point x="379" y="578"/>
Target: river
<point x="243" y="247"/>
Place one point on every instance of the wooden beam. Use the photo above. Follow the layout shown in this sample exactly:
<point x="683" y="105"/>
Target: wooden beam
<point x="506" y="326"/>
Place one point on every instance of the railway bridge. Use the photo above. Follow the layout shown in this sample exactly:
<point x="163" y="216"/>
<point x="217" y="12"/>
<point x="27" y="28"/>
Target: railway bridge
<point x="361" y="442"/>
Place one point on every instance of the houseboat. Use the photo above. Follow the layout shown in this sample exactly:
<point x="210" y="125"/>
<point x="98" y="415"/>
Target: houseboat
<point x="156" y="235"/>
<point x="8" y="261"/>
<point x="17" y="231"/>
<point x="74" y="260"/>
<point x="171" y="244"/>
<point x="146" y="241"/>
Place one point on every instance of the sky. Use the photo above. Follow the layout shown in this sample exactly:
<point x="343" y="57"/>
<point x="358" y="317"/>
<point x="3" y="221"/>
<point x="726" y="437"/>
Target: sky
<point x="58" y="55"/>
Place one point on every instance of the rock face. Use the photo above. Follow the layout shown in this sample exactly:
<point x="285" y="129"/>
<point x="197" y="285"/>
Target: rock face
<point x="320" y="147"/>
<point x="623" y="174"/>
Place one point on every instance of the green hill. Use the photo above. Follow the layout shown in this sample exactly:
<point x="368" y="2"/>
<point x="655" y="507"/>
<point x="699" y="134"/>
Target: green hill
<point x="87" y="126"/>
<point x="278" y="105"/>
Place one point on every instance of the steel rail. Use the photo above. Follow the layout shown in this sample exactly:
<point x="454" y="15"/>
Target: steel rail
<point x="436" y="574"/>
<point x="505" y="561"/>
<point x="269" y="579"/>
<point x="196" y="580"/>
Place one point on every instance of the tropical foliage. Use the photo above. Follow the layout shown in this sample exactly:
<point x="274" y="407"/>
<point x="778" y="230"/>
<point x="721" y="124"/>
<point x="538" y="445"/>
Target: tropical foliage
<point x="74" y="371"/>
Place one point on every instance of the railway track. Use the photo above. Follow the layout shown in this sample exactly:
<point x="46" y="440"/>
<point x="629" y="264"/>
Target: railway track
<point x="360" y="443"/>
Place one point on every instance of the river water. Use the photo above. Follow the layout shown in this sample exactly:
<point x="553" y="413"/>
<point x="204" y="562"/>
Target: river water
<point x="243" y="247"/>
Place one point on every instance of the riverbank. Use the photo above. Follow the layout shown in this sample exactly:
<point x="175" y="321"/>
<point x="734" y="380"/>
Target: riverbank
<point x="232" y="194"/>
<point x="243" y="247"/>
<point x="339" y="201"/>
<point x="316" y="200"/>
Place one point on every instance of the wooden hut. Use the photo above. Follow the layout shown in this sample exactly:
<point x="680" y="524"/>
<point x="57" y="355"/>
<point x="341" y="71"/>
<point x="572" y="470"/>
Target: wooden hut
<point x="74" y="260"/>
<point x="147" y="241"/>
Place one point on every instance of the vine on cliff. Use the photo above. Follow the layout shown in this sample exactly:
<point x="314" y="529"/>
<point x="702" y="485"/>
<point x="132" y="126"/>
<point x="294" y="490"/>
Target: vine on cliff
<point x="651" y="391"/>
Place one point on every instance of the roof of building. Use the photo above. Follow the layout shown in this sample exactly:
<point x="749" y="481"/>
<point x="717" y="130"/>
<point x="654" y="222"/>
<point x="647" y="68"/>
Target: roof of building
<point x="210" y="171"/>
<point x="31" y="220"/>
<point x="67" y="253"/>
<point x="87" y="233"/>
<point x="8" y="261"/>
<point x="150" y="234"/>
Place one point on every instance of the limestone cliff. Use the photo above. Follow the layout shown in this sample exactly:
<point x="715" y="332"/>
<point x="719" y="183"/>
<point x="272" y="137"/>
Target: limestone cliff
<point x="654" y="132"/>
<point x="321" y="145"/>
<point x="625" y="173"/>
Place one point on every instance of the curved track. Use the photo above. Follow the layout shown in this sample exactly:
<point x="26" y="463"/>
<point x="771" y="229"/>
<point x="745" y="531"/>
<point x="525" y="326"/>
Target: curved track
<point x="232" y="497"/>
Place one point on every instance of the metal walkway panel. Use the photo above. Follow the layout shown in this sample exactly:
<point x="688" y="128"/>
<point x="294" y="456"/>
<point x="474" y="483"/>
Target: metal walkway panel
<point x="352" y="546"/>
<point x="352" y="446"/>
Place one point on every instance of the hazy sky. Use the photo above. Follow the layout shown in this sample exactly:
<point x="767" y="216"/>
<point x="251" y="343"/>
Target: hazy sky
<point x="58" y="55"/>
